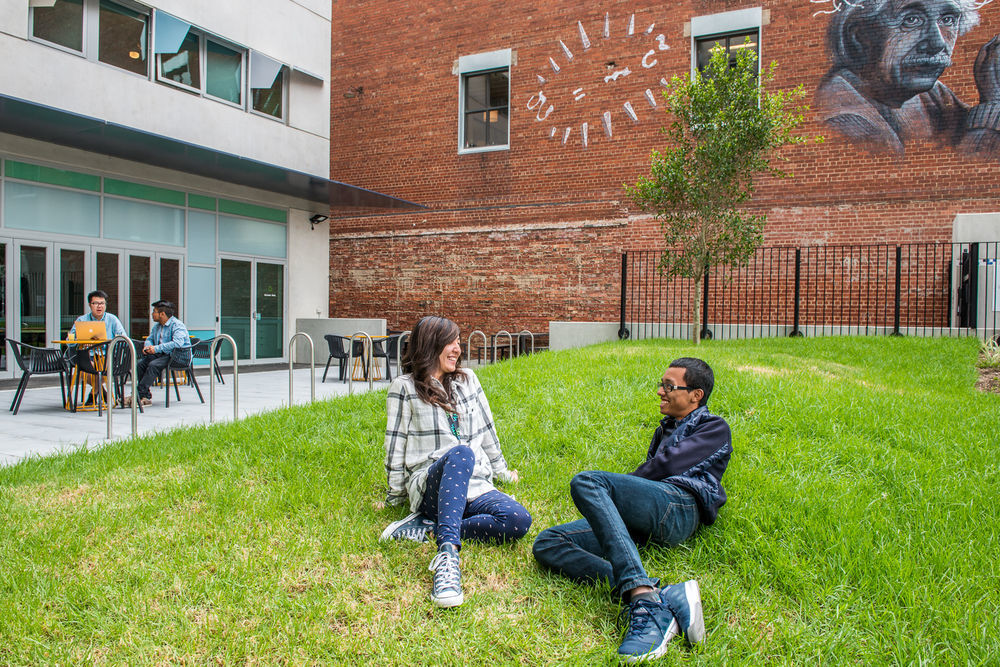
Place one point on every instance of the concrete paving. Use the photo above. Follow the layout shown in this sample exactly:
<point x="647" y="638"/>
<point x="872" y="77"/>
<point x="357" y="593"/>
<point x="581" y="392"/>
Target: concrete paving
<point x="42" y="427"/>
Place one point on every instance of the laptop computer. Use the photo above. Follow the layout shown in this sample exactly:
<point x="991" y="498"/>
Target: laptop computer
<point x="91" y="331"/>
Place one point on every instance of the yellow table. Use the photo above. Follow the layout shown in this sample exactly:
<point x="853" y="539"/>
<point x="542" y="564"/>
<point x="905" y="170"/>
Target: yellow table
<point x="99" y="361"/>
<point x="358" y="372"/>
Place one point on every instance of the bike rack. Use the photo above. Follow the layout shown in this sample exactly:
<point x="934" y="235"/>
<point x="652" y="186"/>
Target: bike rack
<point x="468" y="345"/>
<point x="211" y="374"/>
<point x="399" y="352"/>
<point x="366" y="355"/>
<point x="521" y="333"/>
<point x="312" y="366"/>
<point x="510" y="344"/>
<point x="111" y="387"/>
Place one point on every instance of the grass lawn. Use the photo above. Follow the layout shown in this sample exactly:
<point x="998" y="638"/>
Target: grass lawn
<point x="861" y="524"/>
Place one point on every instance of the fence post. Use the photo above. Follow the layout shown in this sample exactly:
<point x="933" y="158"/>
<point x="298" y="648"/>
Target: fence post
<point x="706" y="333"/>
<point x="623" y="333"/>
<point x="974" y="286"/>
<point x="899" y="291"/>
<point x="796" y="332"/>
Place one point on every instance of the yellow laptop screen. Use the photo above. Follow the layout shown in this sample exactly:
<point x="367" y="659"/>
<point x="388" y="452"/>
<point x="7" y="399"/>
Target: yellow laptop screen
<point x="91" y="331"/>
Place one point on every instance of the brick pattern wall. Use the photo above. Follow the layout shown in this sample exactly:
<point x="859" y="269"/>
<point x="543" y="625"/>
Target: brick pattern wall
<point x="511" y="239"/>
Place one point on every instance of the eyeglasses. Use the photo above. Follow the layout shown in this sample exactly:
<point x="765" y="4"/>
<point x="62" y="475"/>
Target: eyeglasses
<point x="668" y="387"/>
<point x="98" y="303"/>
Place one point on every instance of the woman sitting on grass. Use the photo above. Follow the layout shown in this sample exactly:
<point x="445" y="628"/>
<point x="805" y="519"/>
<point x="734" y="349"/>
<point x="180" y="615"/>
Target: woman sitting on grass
<point x="442" y="452"/>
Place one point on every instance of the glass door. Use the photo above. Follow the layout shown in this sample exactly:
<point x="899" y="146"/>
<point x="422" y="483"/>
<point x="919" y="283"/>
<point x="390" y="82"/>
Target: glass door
<point x="107" y="277"/>
<point x="5" y="267"/>
<point x="32" y="296"/>
<point x="252" y="311"/>
<point x="72" y="290"/>
<point x="139" y="296"/>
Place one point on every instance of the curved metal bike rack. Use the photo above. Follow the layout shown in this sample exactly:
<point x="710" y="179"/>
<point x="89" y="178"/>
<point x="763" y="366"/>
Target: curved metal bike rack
<point x="525" y="331"/>
<point x="399" y="352"/>
<point x="468" y="345"/>
<point x="111" y="387"/>
<point x="312" y="366"/>
<point x="211" y="374"/>
<point x="366" y="356"/>
<point x="510" y="344"/>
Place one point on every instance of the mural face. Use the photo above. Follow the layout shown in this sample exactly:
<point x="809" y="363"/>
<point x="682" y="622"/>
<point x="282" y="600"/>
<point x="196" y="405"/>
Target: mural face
<point x="883" y="89"/>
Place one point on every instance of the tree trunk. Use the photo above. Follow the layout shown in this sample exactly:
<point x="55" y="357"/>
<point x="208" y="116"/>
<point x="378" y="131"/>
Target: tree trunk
<point x="696" y="311"/>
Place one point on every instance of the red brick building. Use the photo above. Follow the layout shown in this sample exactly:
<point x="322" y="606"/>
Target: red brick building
<point x="526" y="218"/>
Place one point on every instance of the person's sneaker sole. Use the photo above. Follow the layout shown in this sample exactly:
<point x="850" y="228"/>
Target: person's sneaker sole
<point x="658" y="651"/>
<point x="696" y="626"/>
<point x="449" y="601"/>
<point x="391" y="528"/>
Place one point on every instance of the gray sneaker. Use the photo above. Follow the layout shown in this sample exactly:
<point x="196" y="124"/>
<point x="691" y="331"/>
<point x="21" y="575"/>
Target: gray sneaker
<point x="414" y="527"/>
<point x="447" y="577"/>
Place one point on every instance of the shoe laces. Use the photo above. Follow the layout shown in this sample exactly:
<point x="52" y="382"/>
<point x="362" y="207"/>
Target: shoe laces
<point x="446" y="571"/>
<point x="640" y="615"/>
<point x="415" y="533"/>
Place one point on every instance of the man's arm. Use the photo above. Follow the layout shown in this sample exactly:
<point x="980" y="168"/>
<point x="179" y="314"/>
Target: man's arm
<point x="705" y="439"/>
<point x="178" y="338"/>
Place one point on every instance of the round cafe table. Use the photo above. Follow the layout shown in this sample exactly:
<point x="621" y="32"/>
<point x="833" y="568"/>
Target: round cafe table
<point x="99" y="360"/>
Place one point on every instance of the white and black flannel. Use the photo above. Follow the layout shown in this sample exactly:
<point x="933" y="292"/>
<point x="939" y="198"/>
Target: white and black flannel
<point x="417" y="434"/>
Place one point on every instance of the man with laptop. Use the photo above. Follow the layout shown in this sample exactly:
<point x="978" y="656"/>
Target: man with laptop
<point x="98" y="315"/>
<point x="168" y="340"/>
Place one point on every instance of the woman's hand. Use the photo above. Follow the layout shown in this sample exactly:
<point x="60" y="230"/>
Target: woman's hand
<point x="509" y="475"/>
<point x="378" y="505"/>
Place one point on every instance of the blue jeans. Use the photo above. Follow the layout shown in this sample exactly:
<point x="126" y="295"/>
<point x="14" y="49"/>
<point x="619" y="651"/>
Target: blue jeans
<point x="491" y="517"/>
<point x="620" y="512"/>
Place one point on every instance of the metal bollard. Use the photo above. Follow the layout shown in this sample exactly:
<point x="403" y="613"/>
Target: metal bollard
<point x="312" y="366"/>
<point x="211" y="374"/>
<point x="109" y="368"/>
<point x="510" y="344"/>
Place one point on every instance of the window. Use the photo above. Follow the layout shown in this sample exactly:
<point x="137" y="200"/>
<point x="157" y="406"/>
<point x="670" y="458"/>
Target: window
<point x="484" y="101"/>
<point x="224" y="73"/>
<point x="731" y="43"/>
<point x="267" y="85"/>
<point x="728" y="31"/>
<point x="195" y="61"/>
<point x="99" y="30"/>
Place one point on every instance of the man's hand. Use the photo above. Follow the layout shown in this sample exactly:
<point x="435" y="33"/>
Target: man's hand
<point x="987" y="71"/>
<point x="148" y="350"/>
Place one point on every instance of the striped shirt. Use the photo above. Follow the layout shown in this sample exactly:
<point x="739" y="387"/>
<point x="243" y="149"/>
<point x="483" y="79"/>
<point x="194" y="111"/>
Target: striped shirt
<point x="417" y="434"/>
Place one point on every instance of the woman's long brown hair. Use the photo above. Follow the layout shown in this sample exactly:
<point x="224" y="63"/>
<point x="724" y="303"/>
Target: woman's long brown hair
<point x="427" y="340"/>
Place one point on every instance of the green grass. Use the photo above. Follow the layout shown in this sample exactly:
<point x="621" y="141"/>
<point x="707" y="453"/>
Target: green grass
<point x="861" y="524"/>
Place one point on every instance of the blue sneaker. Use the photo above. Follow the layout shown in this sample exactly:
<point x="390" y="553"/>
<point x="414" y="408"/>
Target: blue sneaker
<point x="684" y="601"/>
<point x="651" y="626"/>
<point x="413" y="527"/>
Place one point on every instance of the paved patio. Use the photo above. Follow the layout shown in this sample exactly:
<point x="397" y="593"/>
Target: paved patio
<point x="42" y="427"/>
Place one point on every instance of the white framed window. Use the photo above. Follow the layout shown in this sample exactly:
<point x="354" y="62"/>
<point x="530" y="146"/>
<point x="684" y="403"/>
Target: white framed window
<point x="114" y="33"/>
<point x="268" y="86"/>
<point x="484" y="101"/>
<point x="729" y="31"/>
<point x="197" y="61"/>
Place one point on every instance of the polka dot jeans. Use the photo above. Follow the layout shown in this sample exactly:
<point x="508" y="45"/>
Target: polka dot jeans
<point x="492" y="517"/>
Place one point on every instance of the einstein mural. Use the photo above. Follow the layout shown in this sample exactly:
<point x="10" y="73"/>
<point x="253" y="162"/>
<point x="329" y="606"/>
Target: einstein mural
<point x="883" y="89"/>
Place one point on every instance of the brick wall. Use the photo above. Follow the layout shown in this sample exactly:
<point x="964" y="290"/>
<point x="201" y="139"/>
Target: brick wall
<point x="511" y="239"/>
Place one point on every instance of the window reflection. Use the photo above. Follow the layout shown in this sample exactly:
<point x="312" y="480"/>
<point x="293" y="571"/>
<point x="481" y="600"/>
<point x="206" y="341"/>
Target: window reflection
<point x="183" y="66"/>
<point x="123" y="36"/>
<point x="62" y="23"/>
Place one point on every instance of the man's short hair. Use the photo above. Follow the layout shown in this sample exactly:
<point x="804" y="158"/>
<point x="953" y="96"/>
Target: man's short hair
<point x="99" y="293"/>
<point x="697" y="375"/>
<point x="166" y="307"/>
<point x="847" y="50"/>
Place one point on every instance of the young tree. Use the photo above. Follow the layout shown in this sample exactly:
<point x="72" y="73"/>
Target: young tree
<point x="727" y="127"/>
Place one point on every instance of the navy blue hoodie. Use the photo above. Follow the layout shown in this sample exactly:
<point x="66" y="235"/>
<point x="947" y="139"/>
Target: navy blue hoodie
<point x="692" y="453"/>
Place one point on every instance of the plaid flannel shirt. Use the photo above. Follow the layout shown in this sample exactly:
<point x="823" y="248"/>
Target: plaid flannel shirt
<point x="417" y="434"/>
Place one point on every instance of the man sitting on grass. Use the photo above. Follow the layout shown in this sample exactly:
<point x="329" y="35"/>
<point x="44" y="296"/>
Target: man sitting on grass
<point x="663" y="501"/>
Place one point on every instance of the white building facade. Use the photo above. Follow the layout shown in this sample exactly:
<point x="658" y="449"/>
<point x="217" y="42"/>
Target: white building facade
<point x="174" y="150"/>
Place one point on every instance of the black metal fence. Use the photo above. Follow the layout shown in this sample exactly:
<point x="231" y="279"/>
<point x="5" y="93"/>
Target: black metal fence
<point x="925" y="289"/>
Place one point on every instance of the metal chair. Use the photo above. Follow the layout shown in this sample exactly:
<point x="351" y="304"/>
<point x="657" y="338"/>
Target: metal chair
<point x="337" y="351"/>
<point x="170" y="373"/>
<point x="202" y="350"/>
<point x="390" y="352"/>
<point x="39" y="361"/>
<point x="87" y="371"/>
<point x="121" y="370"/>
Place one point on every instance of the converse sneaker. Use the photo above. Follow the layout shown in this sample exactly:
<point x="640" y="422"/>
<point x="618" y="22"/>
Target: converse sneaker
<point x="684" y="600"/>
<point x="447" y="590"/>
<point x="651" y="626"/>
<point x="414" y="527"/>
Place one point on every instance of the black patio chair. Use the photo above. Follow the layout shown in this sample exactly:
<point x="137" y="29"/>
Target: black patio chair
<point x="203" y="349"/>
<point x="338" y="351"/>
<point x="121" y="371"/>
<point x="170" y="374"/>
<point x="37" y="361"/>
<point x="388" y="349"/>
<point x="87" y="371"/>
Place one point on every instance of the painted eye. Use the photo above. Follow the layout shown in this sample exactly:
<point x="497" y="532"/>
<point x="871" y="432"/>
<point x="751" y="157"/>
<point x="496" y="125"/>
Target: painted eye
<point x="949" y="20"/>
<point x="913" y="20"/>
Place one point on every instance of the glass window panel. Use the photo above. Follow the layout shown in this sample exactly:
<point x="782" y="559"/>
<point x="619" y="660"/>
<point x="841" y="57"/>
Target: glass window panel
<point x="45" y="209"/>
<point x="107" y="278"/>
<point x="138" y="296"/>
<point x="33" y="290"/>
<point x="704" y="49"/>
<point x="236" y="308"/>
<point x="200" y="313"/>
<point x="475" y="92"/>
<point x="62" y="23"/>
<point x="270" y="306"/>
<point x="499" y="86"/>
<point x="223" y="73"/>
<point x="72" y="301"/>
<point x="201" y="237"/>
<point x="475" y="129"/>
<point x="732" y="44"/>
<point x="142" y="221"/>
<point x="183" y="67"/>
<point x="251" y="237"/>
<point x="170" y="282"/>
<point x="3" y="306"/>
<point x="271" y="101"/>
<point x="497" y="127"/>
<point x="123" y="35"/>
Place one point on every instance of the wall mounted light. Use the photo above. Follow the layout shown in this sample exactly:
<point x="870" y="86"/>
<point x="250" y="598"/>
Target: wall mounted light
<point x="354" y="91"/>
<point x="316" y="219"/>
